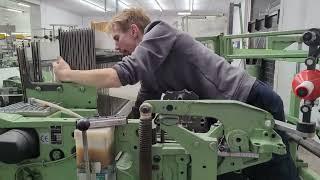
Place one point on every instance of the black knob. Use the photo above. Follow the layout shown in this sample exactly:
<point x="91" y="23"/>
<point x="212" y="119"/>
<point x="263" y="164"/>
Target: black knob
<point x="83" y="124"/>
<point x="145" y="108"/>
<point x="311" y="37"/>
<point x="308" y="36"/>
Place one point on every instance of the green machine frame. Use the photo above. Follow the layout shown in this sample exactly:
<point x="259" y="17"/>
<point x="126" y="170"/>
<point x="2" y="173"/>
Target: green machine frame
<point x="276" y="42"/>
<point x="184" y="154"/>
<point x="275" y="49"/>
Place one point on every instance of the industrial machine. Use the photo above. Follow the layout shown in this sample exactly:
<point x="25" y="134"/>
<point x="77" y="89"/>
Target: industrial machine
<point x="58" y="133"/>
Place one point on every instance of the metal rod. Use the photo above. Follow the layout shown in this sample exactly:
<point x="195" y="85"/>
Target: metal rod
<point x="309" y="144"/>
<point x="86" y="154"/>
<point x="264" y="34"/>
<point x="145" y="142"/>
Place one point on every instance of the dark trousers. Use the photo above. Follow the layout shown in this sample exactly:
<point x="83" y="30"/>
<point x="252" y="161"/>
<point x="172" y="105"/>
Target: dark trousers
<point x="280" y="167"/>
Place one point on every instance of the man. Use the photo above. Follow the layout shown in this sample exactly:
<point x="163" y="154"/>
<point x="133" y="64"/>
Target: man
<point x="165" y="59"/>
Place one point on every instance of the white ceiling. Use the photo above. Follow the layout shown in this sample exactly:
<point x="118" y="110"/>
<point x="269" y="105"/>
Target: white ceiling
<point x="170" y="7"/>
<point x="13" y="4"/>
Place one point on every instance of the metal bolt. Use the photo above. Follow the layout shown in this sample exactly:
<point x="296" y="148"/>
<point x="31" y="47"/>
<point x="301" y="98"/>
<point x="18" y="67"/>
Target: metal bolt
<point x="156" y="158"/>
<point x="268" y="123"/>
<point x="309" y="37"/>
<point x="145" y="108"/>
<point x="59" y="89"/>
<point x="37" y="88"/>
<point x="305" y="109"/>
<point x="82" y="89"/>
<point x="309" y="61"/>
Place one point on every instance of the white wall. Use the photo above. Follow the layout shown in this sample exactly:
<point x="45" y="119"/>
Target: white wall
<point x="210" y="26"/>
<point x="236" y="28"/>
<point x="8" y="72"/>
<point x="295" y="14"/>
<point x="35" y="20"/>
<point x="20" y="20"/>
<point x="53" y="15"/>
<point x="86" y="20"/>
<point x="175" y="21"/>
<point x="197" y="27"/>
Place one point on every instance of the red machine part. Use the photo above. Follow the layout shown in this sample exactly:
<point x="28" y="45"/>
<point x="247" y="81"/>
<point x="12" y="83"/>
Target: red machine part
<point x="306" y="84"/>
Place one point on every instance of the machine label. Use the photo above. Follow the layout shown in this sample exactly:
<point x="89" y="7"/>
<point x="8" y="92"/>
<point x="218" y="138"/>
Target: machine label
<point x="56" y="135"/>
<point x="44" y="138"/>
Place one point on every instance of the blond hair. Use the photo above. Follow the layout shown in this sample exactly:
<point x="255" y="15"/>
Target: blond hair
<point x="128" y="17"/>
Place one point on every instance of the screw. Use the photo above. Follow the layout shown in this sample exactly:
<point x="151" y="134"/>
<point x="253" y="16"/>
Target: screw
<point x="145" y="108"/>
<point x="82" y="89"/>
<point x="37" y="88"/>
<point x="59" y="89"/>
<point x="268" y="123"/>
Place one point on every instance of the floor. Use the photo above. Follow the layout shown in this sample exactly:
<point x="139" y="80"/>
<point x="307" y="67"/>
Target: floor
<point x="312" y="160"/>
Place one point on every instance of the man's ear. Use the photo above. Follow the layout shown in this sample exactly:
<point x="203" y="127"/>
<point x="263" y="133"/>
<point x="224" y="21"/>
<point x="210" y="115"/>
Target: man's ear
<point x="135" y="30"/>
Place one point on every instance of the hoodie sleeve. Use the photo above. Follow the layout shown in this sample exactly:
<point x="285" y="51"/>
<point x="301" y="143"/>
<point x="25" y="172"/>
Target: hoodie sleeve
<point x="148" y="55"/>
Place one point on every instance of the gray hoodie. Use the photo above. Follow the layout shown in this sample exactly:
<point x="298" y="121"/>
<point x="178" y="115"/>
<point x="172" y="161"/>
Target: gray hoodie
<point x="171" y="60"/>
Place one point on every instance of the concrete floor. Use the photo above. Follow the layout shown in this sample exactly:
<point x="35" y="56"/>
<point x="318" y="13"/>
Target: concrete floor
<point x="312" y="160"/>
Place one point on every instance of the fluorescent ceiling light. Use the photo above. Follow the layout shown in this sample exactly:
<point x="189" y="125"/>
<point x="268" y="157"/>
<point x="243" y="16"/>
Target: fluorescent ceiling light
<point x="14" y="10"/>
<point x="24" y="33"/>
<point x="157" y="5"/>
<point x="197" y="17"/>
<point x="123" y="4"/>
<point x="93" y="5"/>
<point x="25" y="5"/>
<point x="191" y="5"/>
<point x="184" y="13"/>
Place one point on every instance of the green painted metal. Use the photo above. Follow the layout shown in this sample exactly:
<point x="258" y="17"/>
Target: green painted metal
<point x="261" y="122"/>
<point x="276" y="42"/>
<point x="262" y="143"/>
<point x="282" y="42"/>
<point x="214" y="41"/>
<point x="81" y="112"/>
<point x="265" y="34"/>
<point x="193" y="156"/>
<point x="219" y="109"/>
<point x="202" y="149"/>
<point x="294" y="107"/>
<point x="266" y="53"/>
<point x="42" y="167"/>
<point x="253" y="70"/>
<point x="291" y="119"/>
<point x="12" y="82"/>
<point x="69" y="96"/>
<point x="237" y="164"/>
<point x="189" y="156"/>
<point x="308" y="174"/>
<point x="170" y="160"/>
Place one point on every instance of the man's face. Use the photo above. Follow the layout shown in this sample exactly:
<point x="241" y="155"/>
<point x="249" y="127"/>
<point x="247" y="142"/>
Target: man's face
<point x="125" y="42"/>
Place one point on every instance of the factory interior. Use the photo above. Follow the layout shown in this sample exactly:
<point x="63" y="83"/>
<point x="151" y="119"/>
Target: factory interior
<point x="57" y="129"/>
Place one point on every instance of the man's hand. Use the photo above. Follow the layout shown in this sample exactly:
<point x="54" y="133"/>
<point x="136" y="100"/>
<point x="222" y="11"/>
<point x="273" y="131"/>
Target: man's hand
<point x="61" y="69"/>
<point x="100" y="78"/>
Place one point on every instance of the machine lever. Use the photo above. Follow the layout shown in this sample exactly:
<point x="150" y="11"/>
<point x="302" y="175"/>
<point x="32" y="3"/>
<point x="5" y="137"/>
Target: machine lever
<point x="84" y="124"/>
